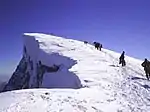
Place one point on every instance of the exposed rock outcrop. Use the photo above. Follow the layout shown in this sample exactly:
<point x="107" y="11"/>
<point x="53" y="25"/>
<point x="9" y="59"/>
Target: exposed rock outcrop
<point x="21" y="77"/>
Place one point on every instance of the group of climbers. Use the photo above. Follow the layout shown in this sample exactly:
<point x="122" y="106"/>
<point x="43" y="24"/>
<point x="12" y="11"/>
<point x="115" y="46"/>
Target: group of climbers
<point x="145" y="64"/>
<point x="97" y="45"/>
<point x="41" y="68"/>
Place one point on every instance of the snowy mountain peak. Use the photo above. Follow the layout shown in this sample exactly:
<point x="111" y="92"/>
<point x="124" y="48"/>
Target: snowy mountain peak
<point x="92" y="80"/>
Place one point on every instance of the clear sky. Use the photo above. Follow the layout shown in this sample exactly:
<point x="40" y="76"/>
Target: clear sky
<point x="117" y="24"/>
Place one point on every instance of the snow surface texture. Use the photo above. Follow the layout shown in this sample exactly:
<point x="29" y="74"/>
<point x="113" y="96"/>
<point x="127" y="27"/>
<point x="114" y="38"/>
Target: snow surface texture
<point x="104" y="85"/>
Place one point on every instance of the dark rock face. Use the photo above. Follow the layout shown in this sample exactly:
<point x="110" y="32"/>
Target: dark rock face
<point x="21" y="77"/>
<point x="2" y="85"/>
<point x="41" y="69"/>
<point x="3" y="81"/>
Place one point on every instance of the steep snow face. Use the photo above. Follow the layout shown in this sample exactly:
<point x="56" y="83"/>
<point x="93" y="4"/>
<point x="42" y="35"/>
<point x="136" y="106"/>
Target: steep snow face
<point x="31" y="48"/>
<point x="104" y="85"/>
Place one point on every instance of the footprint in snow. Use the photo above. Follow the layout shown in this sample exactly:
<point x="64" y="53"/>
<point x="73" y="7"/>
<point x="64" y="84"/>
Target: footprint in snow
<point x="44" y="97"/>
<point x="80" y="107"/>
<point x="87" y="81"/>
<point x="114" y="65"/>
<point x="96" y="110"/>
<point x="47" y="93"/>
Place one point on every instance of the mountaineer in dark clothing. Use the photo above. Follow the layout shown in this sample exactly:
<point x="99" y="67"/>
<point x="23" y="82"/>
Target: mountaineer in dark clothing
<point x="94" y="43"/>
<point x="85" y="42"/>
<point x="121" y="59"/>
<point x="146" y="65"/>
<point x="97" y="45"/>
<point x="100" y="47"/>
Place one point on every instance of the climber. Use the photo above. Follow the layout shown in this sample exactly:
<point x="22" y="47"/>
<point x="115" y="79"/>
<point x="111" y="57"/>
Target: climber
<point x="121" y="59"/>
<point x="146" y="65"/>
<point x="85" y="42"/>
<point x="97" y="45"/>
<point x="100" y="47"/>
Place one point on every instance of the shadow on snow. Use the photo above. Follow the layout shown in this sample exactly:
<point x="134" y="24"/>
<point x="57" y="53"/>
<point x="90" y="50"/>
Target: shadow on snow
<point x="63" y="78"/>
<point x="145" y="85"/>
<point x="137" y="78"/>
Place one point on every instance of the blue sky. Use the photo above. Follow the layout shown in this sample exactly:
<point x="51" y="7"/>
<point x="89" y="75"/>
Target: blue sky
<point x="118" y="24"/>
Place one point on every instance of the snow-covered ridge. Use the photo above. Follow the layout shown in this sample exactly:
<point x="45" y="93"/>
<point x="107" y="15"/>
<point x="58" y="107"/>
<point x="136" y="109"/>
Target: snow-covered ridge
<point x="29" y="74"/>
<point x="92" y="80"/>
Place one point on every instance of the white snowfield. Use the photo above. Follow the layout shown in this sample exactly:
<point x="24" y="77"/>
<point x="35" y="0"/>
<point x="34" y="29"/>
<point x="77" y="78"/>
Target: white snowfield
<point x="88" y="80"/>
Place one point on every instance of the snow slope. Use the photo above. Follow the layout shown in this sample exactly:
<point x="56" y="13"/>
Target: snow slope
<point x="97" y="83"/>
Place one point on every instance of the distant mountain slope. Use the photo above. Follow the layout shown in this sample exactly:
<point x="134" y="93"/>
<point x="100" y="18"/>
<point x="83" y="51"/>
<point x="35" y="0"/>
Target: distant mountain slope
<point x="92" y="80"/>
<point x="2" y="85"/>
<point x="3" y="81"/>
